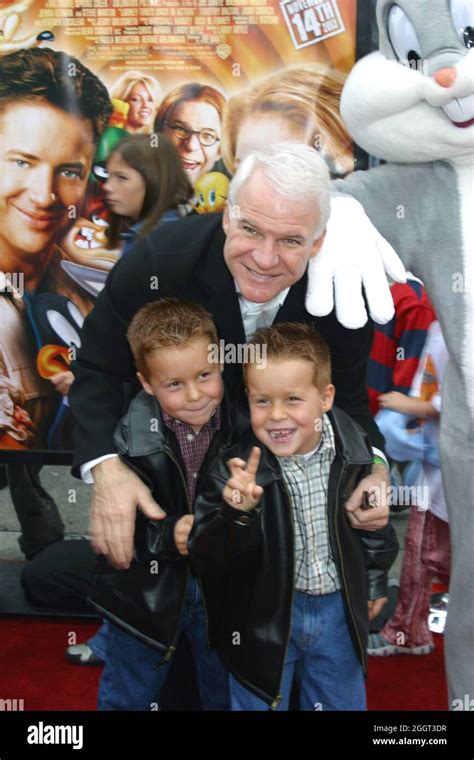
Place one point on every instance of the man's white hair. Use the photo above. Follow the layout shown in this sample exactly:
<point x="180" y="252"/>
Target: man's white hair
<point x="294" y="170"/>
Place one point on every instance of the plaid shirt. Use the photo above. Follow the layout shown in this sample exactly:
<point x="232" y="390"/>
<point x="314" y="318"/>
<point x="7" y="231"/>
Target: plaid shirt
<point x="307" y="477"/>
<point x="193" y="446"/>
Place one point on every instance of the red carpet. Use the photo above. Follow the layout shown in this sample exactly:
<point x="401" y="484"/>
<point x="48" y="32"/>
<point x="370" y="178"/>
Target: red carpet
<point x="34" y="669"/>
<point x="404" y="682"/>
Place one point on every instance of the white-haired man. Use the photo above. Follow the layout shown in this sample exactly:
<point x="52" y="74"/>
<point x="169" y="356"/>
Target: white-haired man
<point x="249" y="269"/>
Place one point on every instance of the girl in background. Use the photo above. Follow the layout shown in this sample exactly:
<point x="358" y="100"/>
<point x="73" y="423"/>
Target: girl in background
<point x="146" y="186"/>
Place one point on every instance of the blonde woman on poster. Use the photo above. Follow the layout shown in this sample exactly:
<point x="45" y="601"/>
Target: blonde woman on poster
<point x="142" y="93"/>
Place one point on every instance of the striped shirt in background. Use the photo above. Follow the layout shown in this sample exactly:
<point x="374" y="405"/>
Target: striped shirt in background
<point x="397" y="346"/>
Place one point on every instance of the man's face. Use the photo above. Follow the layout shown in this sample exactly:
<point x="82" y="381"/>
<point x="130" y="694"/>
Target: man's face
<point x="270" y="239"/>
<point x="185" y="382"/>
<point x="45" y="158"/>
<point x="286" y="408"/>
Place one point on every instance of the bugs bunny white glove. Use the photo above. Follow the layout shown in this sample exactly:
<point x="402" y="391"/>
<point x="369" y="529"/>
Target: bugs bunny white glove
<point x="353" y="255"/>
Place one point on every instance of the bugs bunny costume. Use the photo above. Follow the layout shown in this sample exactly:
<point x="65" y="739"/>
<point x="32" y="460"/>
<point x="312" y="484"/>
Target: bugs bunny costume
<point x="412" y="104"/>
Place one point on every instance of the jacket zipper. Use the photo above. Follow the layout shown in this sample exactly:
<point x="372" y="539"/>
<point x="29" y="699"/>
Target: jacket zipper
<point x="278" y="699"/>
<point x="203" y="601"/>
<point x="171" y="649"/>
<point x="274" y="704"/>
<point x="344" y="580"/>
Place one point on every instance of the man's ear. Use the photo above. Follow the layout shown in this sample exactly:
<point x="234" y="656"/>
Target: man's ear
<point x="145" y="385"/>
<point x="226" y="218"/>
<point x="327" y="397"/>
<point x="317" y="244"/>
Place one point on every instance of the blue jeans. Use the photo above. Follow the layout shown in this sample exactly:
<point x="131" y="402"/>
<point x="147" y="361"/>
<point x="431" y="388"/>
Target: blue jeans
<point x="321" y="655"/>
<point x="98" y="642"/>
<point x="135" y="672"/>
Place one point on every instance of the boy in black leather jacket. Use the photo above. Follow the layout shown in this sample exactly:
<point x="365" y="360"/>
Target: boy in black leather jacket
<point x="287" y="580"/>
<point x="171" y="433"/>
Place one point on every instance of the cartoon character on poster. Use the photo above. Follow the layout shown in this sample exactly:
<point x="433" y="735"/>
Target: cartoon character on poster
<point x="10" y="25"/>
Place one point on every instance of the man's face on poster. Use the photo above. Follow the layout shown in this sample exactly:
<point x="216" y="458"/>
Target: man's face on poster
<point x="45" y="159"/>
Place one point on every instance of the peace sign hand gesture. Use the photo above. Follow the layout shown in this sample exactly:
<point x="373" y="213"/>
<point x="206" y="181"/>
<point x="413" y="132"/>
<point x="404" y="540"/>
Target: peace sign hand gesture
<point x="241" y="490"/>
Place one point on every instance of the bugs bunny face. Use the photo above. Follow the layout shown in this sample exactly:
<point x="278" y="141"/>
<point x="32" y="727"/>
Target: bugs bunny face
<point x="414" y="100"/>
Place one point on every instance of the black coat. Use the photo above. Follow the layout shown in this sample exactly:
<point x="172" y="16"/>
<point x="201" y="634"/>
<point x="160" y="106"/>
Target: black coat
<point x="146" y="600"/>
<point x="246" y="560"/>
<point x="184" y="259"/>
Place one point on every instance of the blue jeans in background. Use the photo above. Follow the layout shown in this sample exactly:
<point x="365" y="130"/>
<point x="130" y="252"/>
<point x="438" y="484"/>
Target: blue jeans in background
<point x="98" y="642"/>
<point x="134" y="672"/>
<point x="322" y="657"/>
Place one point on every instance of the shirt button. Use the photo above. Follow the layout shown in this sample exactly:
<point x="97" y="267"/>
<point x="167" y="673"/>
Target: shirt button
<point x="194" y="475"/>
<point x="190" y="437"/>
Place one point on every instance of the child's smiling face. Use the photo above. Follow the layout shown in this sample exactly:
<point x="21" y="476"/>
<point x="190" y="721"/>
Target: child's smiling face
<point x="286" y="407"/>
<point x="185" y="381"/>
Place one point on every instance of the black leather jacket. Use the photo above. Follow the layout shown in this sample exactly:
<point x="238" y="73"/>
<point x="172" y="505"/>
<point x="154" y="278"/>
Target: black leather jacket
<point x="147" y="599"/>
<point x="246" y="560"/>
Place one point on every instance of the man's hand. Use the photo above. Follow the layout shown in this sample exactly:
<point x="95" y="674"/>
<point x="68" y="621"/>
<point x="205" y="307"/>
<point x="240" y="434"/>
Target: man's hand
<point x="375" y="606"/>
<point x="62" y="381"/>
<point x="117" y="494"/>
<point x="182" y="529"/>
<point x="353" y="254"/>
<point x="376" y="484"/>
<point x="241" y="490"/>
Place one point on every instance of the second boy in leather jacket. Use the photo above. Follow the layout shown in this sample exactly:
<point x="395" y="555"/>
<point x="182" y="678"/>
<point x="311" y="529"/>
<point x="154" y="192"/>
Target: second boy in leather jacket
<point x="247" y="566"/>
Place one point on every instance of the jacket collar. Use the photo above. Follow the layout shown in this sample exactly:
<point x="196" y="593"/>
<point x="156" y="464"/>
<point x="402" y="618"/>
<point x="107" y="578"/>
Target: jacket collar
<point x="142" y="430"/>
<point x="350" y="440"/>
<point x="221" y="298"/>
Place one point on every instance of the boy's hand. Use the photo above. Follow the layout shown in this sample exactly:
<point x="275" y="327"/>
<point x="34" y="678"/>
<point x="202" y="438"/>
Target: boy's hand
<point x="182" y="529"/>
<point x="375" y="606"/>
<point x="241" y="490"/>
<point x="395" y="400"/>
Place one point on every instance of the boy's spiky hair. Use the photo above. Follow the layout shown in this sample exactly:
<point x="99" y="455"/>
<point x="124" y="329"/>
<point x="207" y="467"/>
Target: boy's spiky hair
<point x="293" y="340"/>
<point x="165" y="323"/>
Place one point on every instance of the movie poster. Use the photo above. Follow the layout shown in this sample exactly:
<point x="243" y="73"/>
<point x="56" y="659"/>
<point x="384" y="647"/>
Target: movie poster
<point x="218" y="77"/>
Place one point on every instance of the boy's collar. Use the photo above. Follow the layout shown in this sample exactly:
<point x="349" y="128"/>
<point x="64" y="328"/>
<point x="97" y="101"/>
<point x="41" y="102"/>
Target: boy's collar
<point x="214" y="422"/>
<point x="348" y="439"/>
<point x="142" y="430"/>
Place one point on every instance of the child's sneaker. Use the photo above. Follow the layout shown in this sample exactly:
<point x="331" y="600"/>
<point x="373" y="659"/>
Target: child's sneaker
<point x="380" y="647"/>
<point x="82" y="654"/>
